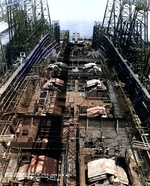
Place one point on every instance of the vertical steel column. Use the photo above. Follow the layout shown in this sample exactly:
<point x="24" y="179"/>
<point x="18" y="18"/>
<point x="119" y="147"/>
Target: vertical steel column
<point x="11" y="11"/>
<point x="111" y="17"/>
<point x="3" y="64"/>
<point x="137" y="41"/>
<point x="96" y="35"/>
<point x="2" y="55"/>
<point x="123" y="23"/>
<point x="28" y="20"/>
<point x="126" y="24"/>
<point x="56" y="31"/>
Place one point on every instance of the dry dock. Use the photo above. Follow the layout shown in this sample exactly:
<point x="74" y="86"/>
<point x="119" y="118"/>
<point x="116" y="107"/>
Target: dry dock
<point x="70" y="122"/>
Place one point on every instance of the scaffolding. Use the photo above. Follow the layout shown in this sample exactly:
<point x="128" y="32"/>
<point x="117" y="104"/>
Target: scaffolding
<point x="28" y="21"/>
<point x="96" y="35"/>
<point x="71" y="158"/>
<point x="125" y="22"/>
<point x="3" y="64"/>
<point x="56" y="31"/>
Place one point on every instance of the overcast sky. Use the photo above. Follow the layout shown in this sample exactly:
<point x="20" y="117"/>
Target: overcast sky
<point x="78" y="15"/>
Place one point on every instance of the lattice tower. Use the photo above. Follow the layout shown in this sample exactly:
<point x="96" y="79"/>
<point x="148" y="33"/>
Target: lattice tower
<point x="126" y="24"/>
<point x="28" y="20"/>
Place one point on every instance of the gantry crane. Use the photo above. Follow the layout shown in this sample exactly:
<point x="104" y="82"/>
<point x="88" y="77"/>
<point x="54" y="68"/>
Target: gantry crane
<point x="28" y="20"/>
<point x="126" y="24"/>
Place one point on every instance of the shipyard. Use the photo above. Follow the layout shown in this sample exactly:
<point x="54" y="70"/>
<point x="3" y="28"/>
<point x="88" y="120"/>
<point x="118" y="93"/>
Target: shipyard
<point x="74" y="110"/>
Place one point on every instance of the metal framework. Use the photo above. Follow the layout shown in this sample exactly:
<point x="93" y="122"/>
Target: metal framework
<point x="28" y="20"/>
<point x="71" y="166"/>
<point x="3" y="65"/>
<point x="56" y="30"/>
<point x="126" y="24"/>
<point x="96" y="35"/>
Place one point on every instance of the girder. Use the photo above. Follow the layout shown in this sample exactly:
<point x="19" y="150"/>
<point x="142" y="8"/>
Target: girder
<point x="28" y="20"/>
<point x="3" y="64"/>
<point x="126" y="24"/>
<point x="96" y="35"/>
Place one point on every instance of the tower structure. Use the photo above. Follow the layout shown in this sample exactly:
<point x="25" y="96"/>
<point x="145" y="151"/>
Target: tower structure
<point x="96" y="35"/>
<point x="56" y="30"/>
<point x="28" y="20"/>
<point x="3" y="64"/>
<point x="126" y="24"/>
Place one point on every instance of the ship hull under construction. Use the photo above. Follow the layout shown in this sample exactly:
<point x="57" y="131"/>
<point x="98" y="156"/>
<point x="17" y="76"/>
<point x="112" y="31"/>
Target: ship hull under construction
<point x="71" y="115"/>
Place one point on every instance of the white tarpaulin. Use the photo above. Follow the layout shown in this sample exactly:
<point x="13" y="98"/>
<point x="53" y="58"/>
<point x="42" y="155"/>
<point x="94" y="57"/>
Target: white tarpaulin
<point x="97" y="169"/>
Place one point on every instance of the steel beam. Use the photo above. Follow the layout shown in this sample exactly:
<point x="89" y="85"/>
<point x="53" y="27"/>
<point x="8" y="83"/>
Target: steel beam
<point x="126" y="24"/>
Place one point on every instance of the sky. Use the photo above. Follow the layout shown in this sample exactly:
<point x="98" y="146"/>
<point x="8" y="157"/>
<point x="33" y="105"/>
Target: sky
<point x="78" y="15"/>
